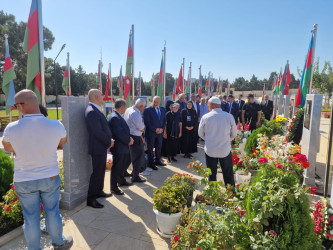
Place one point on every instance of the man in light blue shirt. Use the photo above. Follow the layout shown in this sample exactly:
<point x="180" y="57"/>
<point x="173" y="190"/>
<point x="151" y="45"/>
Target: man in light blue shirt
<point x="203" y="108"/>
<point x="135" y="123"/>
<point x="218" y="128"/>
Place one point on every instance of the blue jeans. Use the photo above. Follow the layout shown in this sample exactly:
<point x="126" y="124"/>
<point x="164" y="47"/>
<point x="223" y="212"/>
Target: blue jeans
<point x="31" y="194"/>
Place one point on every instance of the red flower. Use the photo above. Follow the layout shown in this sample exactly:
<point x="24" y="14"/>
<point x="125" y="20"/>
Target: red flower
<point x="8" y="209"/>
<point x="237" y="185"/>
<point x="313" y="190"/>
<point x="329" y="235"/>
<point x="263" y="160"/>
<point x="12" y="187"/>
<point x="191" y="228"/>
<point x="278" y="165"/>
<point x="175" y="238"/>
<point x="301" y="157"/>
<point x="305" y="164"/>
<point x="235" y="159"/>
<point x="198" y="248"/>
<point x="272" y="232"/>
<point x="41" y="208"/>
<point x="17" y="198"/>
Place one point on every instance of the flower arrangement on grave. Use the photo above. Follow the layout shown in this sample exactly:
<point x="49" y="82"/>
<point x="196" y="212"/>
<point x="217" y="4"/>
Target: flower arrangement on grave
<point x="186" y="181"/>
<point x="323" y="220"/>
<point x="281" y="119"/>
<point x="169" y="199"/>
<point x="296" y="126"/>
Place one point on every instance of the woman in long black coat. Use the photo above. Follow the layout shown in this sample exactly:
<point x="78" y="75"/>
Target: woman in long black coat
<point x="189" y="119"/>
<point x="172" y="132"/>
<point x="168" y="107"/>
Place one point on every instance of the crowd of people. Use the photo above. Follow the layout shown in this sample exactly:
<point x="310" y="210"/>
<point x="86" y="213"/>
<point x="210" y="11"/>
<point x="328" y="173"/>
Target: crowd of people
<point x="139" y="135"/>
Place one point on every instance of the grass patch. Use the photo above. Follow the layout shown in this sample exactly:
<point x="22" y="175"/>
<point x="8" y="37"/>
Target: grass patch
<point x="52" y="113"/>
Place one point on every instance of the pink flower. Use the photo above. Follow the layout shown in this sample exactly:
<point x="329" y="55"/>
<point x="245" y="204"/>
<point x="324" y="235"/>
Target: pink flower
<point x="12" y="187"/>
<point x="278" y="165"/>
<point x="41" y="208"/>
<point x="272" y="232"/>
<point x="8" y="209"/>
<point x="239" y="127"/>
<point x="263" y="160"/>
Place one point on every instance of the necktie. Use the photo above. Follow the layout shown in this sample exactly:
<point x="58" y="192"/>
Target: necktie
<point x="159" y="113"/>
<point x="230" y="108"/>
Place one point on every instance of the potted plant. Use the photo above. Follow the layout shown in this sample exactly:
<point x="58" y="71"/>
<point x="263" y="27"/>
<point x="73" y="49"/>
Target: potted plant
<point x="169" y="202"/>
<point x="242" y="175"/>
<point x="187" y="183"/>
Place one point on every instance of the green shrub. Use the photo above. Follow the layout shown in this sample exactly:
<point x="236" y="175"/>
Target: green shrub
<point x="6" y="173"/>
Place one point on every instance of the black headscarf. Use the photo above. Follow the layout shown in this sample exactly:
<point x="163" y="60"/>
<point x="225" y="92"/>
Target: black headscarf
<point x="167" y="106"/>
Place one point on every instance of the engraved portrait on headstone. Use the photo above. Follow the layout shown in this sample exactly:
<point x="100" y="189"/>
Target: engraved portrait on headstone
<point x="307" y="113"/>
<point x="291" y="108"/>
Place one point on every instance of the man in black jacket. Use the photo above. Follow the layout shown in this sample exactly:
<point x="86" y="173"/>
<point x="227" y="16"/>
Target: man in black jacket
<point x="233" y="108"/>
<point x="240" y="105"/>
<point x="267" y="107"/>
<point x="120" y="151"/>
<point x="99" y="142"/>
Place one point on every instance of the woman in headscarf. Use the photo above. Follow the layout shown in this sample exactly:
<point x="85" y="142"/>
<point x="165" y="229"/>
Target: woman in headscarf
<point x="172" y="132"/>
<point x="189" y="120"/>
<point x="168" y="107"/>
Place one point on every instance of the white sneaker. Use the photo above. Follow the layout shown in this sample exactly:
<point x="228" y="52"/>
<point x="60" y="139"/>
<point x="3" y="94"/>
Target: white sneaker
<point x="149" y="169"/>
<point x="145" y="173"/>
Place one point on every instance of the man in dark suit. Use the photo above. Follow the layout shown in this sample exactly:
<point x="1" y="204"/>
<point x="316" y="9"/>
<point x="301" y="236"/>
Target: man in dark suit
<point x="225" y="104"/>
<point x="181" y="102"/>
<point x="240" y="105"/>
<point x="154" y="119"/>
<point x="233" y="108"/>
<point x="120" y="151"/>
<point x="196" y="107"/>
<point x="99" y="142"/>
<point x="267" y="107"/>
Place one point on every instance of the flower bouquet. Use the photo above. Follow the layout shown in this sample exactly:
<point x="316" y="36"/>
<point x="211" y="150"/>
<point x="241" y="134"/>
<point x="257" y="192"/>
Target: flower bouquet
<point x="323" y="220"/>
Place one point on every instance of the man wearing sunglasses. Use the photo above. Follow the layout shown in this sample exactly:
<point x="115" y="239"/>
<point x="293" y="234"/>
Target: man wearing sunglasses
<point x="35" y="140"/>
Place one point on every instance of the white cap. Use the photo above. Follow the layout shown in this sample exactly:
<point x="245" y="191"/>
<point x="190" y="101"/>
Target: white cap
<point x="215" y="100"/>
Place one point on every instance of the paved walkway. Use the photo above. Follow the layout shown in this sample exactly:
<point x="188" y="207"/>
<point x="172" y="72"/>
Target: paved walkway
<point x="126" y="222"/>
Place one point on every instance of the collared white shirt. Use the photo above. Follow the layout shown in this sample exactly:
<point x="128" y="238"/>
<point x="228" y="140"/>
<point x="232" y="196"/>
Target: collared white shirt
<point x="217" y="128"/>
<point x="96" y="106"/>
<point x="134" y="121"/>
<point x="35" y="140"/>
<point x="194" y="104"/>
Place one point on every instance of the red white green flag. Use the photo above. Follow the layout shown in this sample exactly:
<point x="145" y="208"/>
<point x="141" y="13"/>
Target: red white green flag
<point x="187" y="87"/>
<point x="8" y="77"/>
<point x="160" y="80"/>
<point x="128" y="75"/>
<point x="179" y="86"/>
<point x="107" y="87"/>
<point x="66" y="83"/>
<point x="32" y="47"/>
<point x="152" y="86"/>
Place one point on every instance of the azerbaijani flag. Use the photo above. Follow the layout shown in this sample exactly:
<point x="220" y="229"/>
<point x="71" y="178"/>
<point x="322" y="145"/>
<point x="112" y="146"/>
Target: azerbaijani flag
<point x="200" y="85"/>
<point x="187" y="88"/>
<point x="107" y="87"/>
<point x="286" y="80"/>
<point x="152" y="86"/>
<point x="8" y="77"/>
<point x="180" y="81"/>
<point x="120" y="83"/>
<point x="160" y="80"/>
<point x="31" y="46"/>
<point x="207" y="85"/>
<point x="174" y="91"/>
<point x="66" y="84"/>
<point x="138" y="87"/>
<point x="306" y="77"/>
<point x="128" y="75"/>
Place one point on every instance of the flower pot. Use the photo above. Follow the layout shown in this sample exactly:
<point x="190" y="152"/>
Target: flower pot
<point x="243" y="178"/>
<point x="167" y="223"/>
<point x="189" y="200"/>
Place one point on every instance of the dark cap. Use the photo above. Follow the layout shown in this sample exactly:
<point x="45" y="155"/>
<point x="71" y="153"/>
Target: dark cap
<point x="250" y="96"/>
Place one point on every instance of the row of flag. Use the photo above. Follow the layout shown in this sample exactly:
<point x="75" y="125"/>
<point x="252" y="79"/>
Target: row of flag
<point x="282" y="81"/>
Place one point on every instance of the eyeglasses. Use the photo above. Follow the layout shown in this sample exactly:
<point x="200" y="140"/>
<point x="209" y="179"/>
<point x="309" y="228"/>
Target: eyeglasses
<point x="15" y="105"/>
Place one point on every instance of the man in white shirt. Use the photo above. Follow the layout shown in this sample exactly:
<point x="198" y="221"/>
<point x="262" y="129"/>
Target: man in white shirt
<point x="217" y="128"/>
<point x="35" y="140"/>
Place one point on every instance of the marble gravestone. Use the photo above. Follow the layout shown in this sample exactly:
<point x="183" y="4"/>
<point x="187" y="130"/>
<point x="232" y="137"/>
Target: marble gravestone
<point x="292" y="108"/>
<point x="275" y="103"/>
<point x="311" y="135"/>
<point x="286" y="104"/>
<point x="76" y="160"/>
<point x="279" y="105"/>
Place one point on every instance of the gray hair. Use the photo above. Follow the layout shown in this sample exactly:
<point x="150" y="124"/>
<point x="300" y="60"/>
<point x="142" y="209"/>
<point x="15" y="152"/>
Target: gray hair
<point x="140" y="102"/>
<point x="175" y="105"/>
<point x="119" y="103"/>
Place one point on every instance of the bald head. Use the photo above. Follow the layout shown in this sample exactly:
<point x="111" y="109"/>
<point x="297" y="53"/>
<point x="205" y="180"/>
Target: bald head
<point x="95" y="96"/>
<point x="27" y="102"/>
<point x="156" y="101"/>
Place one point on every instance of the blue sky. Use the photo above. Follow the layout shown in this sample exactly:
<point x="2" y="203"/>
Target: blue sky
<point x="229" y="38"/>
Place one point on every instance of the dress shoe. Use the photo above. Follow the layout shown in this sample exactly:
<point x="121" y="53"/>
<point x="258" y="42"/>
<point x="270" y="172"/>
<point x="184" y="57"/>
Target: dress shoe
<point x="94" y="204"/>
<point x="125" y="184"/>
<point x="160" y="164"/>
<point x="169" y="159"/>
<point x="127" y="174"/>
<point x="117" y="191"/>
<point x="104" y="195"/>
<point x="138" y="179"/>
<point x="173" y="159"/>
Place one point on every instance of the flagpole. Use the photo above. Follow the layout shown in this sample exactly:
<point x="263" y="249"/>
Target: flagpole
<point x="41" y="50"/>
<point x="199" y="80"/>
<point x="164" y="77"/>
<point x="69" y="76"/>
<point x="110" y="81"/>
<point x="152" y="87"/>
<point x="190" y="79"/>
<point x="100" y="74"/>
<point x="139" y="80"/>
<point x="133" y="64"/>
<point x="314" y="31"/>
<point x="183" y="75"/>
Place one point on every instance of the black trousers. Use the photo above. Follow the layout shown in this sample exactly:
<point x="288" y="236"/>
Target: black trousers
<point x="96" y="183"/>
<point x="226" y="165"/>
<point x="137" y="156"/>
<point x="267" y="117"/>
<point x="154" y="141"/>
<point x="120" y="164"/>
